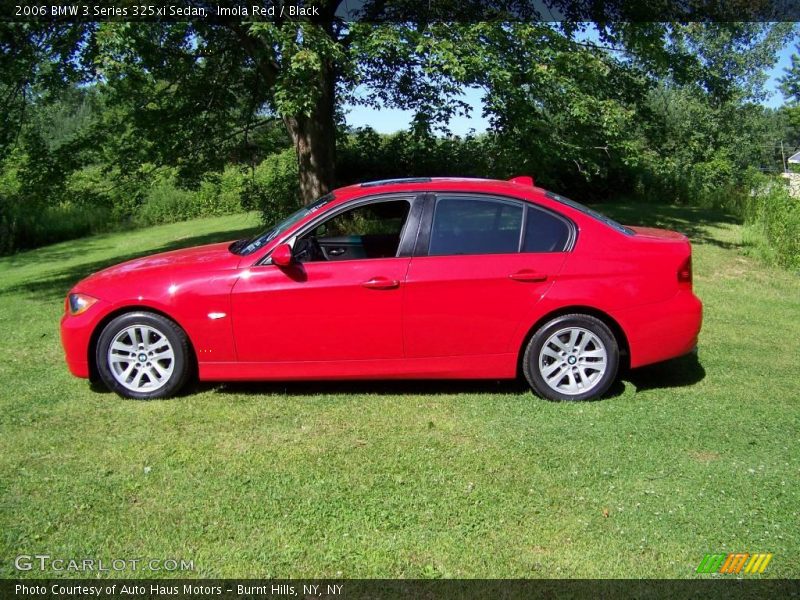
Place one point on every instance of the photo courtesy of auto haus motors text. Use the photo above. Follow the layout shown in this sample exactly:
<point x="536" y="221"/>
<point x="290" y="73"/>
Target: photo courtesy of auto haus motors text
<point x="183" y="590"/>
<point x="399" y="299"/>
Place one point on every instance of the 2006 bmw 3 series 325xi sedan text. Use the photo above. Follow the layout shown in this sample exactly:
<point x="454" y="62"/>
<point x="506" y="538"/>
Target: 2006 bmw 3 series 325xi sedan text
<point x="405" y="279"/>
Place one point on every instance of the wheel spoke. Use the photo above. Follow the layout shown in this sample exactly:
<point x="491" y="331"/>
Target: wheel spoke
<point x="144" y="337"/>
<point x="127" y="371"/>
<point x="122" y="347"/>
<point x="160" y="371"/>
<point x="549" y="372"/>
<point x="154" y="374"/>
<point x="164" y="355"/>
<point x="585" y="339"/>
<point x="548" y="351"/>
<point x="573" y="337"/>
<point x="137" y="380"/>
<point x="572" y="386"/>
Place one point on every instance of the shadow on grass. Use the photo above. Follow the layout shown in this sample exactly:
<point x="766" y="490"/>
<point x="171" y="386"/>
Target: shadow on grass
<point x="679" y="372"/>
<point x="54" y="287"/>
<point x="688" y="220"/>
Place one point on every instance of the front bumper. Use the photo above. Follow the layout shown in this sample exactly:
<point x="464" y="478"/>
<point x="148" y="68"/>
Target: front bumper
<point x="76" y="335"/>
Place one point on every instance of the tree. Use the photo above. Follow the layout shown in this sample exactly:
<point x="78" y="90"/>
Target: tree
<point x="191" y="84"/>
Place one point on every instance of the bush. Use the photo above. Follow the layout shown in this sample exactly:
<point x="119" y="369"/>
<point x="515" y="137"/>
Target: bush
<point x="273" y="187"/>
<point x="166" y="202"/>
<point x="221" y="193"/>
<point x="772" y="212"/>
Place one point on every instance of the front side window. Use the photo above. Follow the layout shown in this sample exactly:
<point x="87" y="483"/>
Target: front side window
<point x="368" y="231"/>
<point x="475" y="226"/>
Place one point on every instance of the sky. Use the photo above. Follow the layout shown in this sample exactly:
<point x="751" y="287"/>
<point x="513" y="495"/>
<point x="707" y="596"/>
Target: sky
<point x="389" y="120"/>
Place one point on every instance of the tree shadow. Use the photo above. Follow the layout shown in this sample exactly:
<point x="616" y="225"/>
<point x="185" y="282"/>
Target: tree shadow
<point x="50" y="286"/>
<point x="691" y="221"/>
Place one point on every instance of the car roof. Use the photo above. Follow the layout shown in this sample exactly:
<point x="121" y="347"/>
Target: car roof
<point x="513" y="186"/>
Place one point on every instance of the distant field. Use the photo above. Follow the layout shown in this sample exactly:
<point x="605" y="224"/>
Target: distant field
<point x="409" y="480"/>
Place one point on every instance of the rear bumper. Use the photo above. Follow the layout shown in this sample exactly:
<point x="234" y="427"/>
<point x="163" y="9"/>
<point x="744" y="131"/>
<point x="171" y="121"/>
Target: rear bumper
<point x="663" y="330"/>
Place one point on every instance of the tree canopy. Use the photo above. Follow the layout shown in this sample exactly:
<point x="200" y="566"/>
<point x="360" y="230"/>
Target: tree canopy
<point x="568" y="101"/>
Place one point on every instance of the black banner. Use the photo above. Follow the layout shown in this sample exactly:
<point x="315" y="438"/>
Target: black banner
<point x="380" y="589"/>
<point x="400" y="10"/>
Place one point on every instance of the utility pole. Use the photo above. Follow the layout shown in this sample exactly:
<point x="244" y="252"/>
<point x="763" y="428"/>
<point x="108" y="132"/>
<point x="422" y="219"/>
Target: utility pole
<point x="783" y="158"/>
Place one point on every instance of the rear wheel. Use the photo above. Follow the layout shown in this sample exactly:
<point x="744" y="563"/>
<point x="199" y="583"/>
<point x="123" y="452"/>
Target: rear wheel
<point x="572" y="357"/>
<point x="143" y="355"/>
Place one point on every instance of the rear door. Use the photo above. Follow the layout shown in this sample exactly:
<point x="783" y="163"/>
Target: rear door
<point x="481" y="265"/>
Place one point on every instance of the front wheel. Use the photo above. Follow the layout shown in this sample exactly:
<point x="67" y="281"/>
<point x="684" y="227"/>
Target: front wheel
<point x="143" y="355"/>
<point x="572" y="357"/>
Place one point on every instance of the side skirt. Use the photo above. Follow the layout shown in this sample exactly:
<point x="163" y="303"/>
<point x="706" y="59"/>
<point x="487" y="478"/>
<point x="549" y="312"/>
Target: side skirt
<point x="495" y="366"/>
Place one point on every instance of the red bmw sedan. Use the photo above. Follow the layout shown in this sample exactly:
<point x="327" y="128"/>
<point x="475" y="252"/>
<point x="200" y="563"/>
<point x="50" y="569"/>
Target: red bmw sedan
<point x="408" y="279"/>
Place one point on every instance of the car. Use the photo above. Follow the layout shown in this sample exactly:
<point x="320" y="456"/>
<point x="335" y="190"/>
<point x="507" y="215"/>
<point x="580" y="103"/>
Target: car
<point x="420" y="278"/>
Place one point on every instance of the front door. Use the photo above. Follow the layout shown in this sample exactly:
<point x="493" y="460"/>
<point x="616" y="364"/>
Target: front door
<point x="340" y="301"/>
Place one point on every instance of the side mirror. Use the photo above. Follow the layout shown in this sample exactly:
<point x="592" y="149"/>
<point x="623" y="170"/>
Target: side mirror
<point x="282" y="255"/>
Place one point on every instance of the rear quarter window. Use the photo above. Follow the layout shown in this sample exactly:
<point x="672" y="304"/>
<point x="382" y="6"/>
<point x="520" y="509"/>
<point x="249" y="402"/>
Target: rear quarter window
<point x="545" y="232"/>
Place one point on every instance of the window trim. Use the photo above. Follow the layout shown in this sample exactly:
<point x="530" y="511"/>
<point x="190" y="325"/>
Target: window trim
<point x="426" y="221"/>
<point x="406" y="238"/>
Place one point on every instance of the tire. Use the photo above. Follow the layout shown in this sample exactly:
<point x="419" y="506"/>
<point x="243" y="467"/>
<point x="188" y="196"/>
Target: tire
<point x="572" y="357"/>
<point x="142" y="355"/>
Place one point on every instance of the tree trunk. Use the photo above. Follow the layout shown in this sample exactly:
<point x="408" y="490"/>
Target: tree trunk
<point x="314" y="138"/>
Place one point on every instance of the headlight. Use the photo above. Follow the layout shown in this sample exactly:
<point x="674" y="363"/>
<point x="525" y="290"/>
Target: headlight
<point x="79" y="303"/>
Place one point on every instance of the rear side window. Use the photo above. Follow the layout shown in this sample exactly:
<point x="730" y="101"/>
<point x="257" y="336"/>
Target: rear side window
<point x="544" y="232"/>
<point x="475" y="226"/>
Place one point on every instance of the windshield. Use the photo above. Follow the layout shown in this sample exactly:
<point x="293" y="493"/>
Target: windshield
<point x="244" y="247"/>
<point x="592" y="213"/>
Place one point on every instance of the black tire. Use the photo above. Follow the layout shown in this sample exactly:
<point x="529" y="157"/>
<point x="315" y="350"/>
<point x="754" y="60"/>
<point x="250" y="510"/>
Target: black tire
<point x="175" y="336"/>
<point x="533" y="354"/>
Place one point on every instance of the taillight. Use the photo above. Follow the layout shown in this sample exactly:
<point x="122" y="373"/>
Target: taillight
<point x="685" y="271"/>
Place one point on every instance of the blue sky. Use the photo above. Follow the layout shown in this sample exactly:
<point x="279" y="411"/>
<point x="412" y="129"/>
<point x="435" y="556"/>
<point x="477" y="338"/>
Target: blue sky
<point x="389" y="120"/>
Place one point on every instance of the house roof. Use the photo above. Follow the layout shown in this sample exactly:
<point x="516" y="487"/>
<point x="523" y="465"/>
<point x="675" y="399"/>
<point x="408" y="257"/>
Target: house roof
<point x="794" y="158"/>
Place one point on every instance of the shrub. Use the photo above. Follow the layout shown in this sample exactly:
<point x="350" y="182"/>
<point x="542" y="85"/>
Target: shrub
<point x="89" y="186"/>
<point x="772" y="212"/>
<point x="165" y="201"/>
<point x="221" y="193"/>
<point x="273" y="187"/>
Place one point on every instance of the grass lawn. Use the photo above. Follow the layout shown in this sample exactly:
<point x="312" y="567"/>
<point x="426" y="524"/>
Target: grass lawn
<point x="446" y="479"/>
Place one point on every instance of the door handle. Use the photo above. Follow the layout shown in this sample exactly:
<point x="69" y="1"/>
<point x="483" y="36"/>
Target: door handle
<point x="381" y="283"/>
<point x="336" y="251"/>
<point x="527" y="275"/>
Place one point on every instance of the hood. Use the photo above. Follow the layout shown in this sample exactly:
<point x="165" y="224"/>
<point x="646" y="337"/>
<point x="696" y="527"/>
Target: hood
<point x="210" y="257"/>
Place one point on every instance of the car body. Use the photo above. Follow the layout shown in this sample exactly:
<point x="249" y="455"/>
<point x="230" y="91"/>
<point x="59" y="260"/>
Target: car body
<point x="411" y="279"/>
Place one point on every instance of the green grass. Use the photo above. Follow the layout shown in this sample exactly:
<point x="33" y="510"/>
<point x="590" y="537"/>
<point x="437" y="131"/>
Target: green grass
<point x="447" y="479"/>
